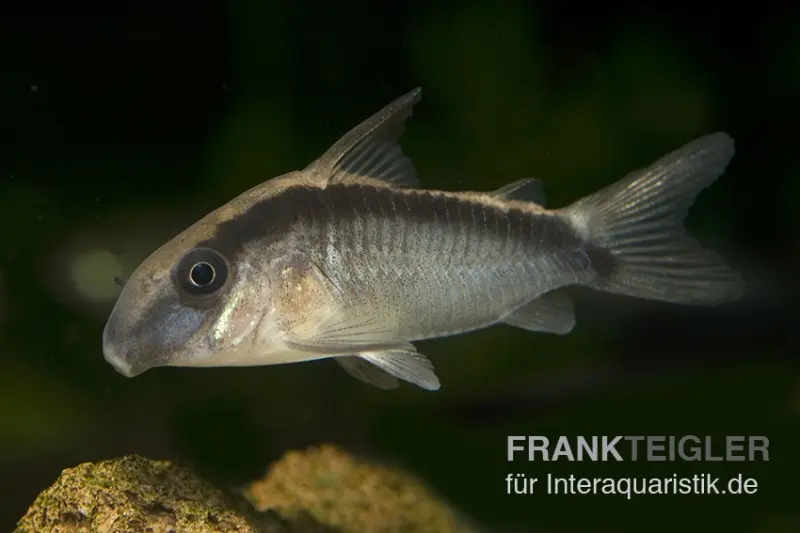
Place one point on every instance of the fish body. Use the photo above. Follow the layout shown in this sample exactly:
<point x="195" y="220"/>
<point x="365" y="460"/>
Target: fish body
<point x="351" y="259"/>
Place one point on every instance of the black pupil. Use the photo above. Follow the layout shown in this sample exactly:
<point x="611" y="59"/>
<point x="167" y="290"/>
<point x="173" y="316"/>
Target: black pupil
<point x="202" y="274"/>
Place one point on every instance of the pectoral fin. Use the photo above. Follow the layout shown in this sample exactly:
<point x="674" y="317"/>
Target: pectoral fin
<point x="374" y="363"/>
<point x="365" y="371"/>
<point x="347" y="330"/>
<point x="346" y="347"/>
<point x="408" y="365"/>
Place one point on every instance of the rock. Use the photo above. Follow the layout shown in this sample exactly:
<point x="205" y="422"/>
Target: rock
<point x="351" y="495"/>
<point x="321" y="490"/>
<point x="134" y="494"/>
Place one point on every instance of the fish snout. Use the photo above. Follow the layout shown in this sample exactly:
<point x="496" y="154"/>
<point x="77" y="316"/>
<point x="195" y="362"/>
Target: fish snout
<point x="117" y="353"/>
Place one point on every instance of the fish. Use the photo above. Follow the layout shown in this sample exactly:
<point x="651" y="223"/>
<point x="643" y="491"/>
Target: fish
<point x="352" y="259"/>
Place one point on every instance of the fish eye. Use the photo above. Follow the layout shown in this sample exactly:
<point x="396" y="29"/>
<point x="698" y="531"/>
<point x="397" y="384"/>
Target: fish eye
<point x="202" y="272"/>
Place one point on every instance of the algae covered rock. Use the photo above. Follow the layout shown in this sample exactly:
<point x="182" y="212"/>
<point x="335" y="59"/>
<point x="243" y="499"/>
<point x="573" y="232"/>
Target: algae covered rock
<point x="321" y="490"/>
<point x="352" y="495"/>
<point x="133" y="494"/>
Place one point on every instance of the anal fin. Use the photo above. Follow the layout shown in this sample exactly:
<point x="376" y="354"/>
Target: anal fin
<point x="552" y="312"/>
<point x="365" y="371"/>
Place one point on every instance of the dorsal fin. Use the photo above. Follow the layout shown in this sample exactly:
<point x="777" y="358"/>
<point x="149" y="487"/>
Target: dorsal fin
<point x="372" y="148"/>
<point x="526" y="190"/>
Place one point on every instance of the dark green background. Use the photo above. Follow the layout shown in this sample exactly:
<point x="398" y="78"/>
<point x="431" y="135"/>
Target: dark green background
<point x="122" y="123"/>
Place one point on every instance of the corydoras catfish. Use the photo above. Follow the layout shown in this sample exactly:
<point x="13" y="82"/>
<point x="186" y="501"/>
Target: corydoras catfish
<point x="351" y="259"/>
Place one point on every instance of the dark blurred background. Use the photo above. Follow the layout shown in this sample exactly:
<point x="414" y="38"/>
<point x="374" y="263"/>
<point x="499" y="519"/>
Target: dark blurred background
<point x="124" y="122"/>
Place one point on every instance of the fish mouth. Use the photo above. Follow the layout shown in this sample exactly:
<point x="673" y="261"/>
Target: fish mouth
<point x="119" y="364"/>
<point x="116" y="359"/>
<point x="119" y="357"/>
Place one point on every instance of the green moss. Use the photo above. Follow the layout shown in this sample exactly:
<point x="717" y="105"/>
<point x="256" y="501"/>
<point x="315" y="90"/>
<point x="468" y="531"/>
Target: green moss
<point x="133" y="494"/>
<point x="352" y="495"/>
<point x="322" y="490"/>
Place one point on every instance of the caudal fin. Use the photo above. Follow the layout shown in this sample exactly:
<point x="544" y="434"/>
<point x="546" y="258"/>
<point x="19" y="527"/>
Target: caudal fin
<point x="635" y="234"/>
